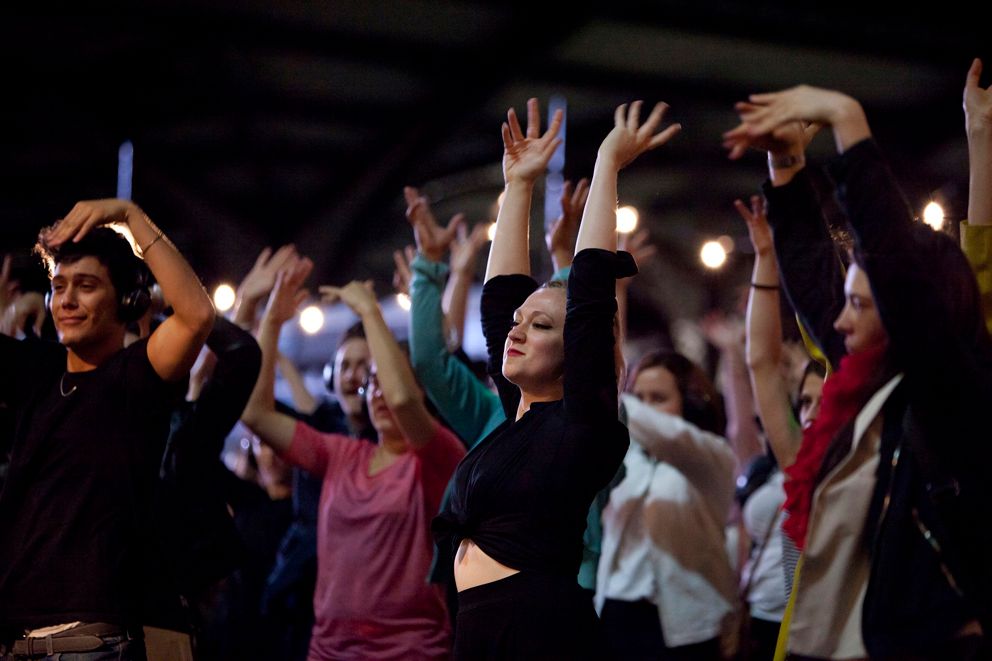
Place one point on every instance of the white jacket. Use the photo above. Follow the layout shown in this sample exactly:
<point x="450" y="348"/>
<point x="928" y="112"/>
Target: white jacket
<point x="663" y="529"/>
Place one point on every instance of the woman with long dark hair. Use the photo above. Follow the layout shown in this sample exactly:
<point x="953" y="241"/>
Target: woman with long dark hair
<point x="890" y="488"/>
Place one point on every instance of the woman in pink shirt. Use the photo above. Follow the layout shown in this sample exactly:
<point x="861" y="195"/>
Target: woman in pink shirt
<point x="374" y="549"/>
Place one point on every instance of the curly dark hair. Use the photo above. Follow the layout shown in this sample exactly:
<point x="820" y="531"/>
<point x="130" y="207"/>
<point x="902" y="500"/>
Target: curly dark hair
<point x="109" y="247"/>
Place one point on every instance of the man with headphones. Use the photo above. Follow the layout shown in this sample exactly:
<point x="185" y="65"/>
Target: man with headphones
<point x="91" y="420"/>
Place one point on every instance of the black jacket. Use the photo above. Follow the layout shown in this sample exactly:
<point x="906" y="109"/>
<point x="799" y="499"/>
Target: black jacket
<point x="929" y="524"/>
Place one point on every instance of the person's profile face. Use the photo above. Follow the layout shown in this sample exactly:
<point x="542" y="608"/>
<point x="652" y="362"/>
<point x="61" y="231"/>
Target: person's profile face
<point x="859" y="321"/>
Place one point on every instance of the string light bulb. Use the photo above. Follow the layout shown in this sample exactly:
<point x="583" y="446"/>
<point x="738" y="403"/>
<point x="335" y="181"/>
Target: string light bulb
<point x="224" y="296"/>
<point x="311" y="319"/>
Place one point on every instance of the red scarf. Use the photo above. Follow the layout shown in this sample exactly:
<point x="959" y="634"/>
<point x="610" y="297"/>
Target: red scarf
<point x="844" y="394"/>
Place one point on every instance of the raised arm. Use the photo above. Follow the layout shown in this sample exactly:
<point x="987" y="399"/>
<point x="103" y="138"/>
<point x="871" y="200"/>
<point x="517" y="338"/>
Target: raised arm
<point x="274" y="428"/>
<point x="399" y="387"/>
<point x="976" y="233"/>
<point x="465" y="402"/>
<point x="812" y="272"/>
<point x="704" y="458"/>
<point x="221" y="398"/>
<point x="464" y="254"/>
<point x="173" y="347"/>
<point x="641" y="249"/>
<point x="525" y="157"/>
<point x="562" y="234"/>
<point x="591" y="336"/>
<point x="628" y="140"/>
<point x="258" y="282"/>
<point x="303" y="401"/>
<point x="763" y="346"/>
<point x="727" y="335"/>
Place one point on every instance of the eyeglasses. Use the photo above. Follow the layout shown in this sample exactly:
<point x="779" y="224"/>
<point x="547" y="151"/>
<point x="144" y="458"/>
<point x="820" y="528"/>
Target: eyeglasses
<point x="371" y="381"/>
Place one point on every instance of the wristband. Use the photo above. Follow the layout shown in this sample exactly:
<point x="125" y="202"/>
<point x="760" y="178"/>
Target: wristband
<point x="151" y="243"/>
<point x="785" y="162"/>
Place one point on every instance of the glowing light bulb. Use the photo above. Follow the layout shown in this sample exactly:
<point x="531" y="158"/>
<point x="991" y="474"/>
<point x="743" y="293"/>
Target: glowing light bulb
<point x="403" y="300"/>
<point x="712" y="255"/>
<point x="627" y="218"/>
<point x="224" y="297"/>
<point x="491" y="232"/>
<point x="933" y="215"/>
<point x="311" y="319"/>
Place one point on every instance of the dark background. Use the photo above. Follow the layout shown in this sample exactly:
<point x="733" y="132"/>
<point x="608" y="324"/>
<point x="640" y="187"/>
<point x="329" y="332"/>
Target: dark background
<point x="259" y="123"/>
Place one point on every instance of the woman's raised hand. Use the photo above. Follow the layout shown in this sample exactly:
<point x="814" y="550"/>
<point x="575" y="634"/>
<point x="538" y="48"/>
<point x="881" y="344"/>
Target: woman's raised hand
<point x="782" y="121"/>
<point x="288" y="294"/>
<point x="357" y="295"/>
<point x="629" y="138"/>
<point x="432" y="239"/>
<point x="758" y="229"/>
<point x="525" y="157"/>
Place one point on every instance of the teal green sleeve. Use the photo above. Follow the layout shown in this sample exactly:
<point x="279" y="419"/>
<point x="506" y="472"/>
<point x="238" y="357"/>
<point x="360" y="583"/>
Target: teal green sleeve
<point x="471" y="409"/>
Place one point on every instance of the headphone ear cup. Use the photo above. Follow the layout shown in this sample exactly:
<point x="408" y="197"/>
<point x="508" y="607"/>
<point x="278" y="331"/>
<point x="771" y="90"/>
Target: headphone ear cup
<point x="328" y="375"/>
<point x="134" y="304"/>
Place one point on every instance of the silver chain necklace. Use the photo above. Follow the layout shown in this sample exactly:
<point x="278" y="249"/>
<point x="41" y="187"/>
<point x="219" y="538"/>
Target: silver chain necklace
<point x="62" y="387"/>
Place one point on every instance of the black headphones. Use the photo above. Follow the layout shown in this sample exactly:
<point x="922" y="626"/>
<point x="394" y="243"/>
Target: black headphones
<point x="328" y="374"/>
<point x="133" y="302"/>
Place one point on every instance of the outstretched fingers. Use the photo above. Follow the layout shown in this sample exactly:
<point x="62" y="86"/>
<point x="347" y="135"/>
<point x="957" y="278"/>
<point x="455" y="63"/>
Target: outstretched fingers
<point x="514" y="126"/>
<point x="620" y="115"/>
<point x="457" y="221"/>
<point x="533" y="118"/>
<point x="974" y="74"/>
<point x="634" y="115"/>
<point x="666" y="135"/>
<point x="555" y="125"/>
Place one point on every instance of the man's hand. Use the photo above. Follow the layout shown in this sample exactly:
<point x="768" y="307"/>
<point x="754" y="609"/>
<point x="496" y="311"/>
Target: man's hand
<point x="88" y="214"/>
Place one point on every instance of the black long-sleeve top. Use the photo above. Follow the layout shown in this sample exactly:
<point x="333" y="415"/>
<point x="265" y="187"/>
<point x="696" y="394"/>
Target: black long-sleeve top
<point x="523" y="493"/>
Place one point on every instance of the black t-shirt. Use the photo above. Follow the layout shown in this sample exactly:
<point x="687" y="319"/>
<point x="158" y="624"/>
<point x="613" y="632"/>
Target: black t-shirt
<point x="523" y="493"/>
<point x="73" y="511"/>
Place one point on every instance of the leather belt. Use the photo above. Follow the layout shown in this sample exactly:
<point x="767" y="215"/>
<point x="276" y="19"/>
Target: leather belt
<point x="84" y="638"/>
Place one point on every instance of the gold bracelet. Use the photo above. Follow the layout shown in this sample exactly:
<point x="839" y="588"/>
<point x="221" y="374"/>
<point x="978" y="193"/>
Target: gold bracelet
<point x="151" y="243"/>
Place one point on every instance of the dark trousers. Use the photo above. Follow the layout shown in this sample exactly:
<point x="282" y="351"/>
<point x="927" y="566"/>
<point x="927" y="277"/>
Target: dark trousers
<point x="632" y="631"/>
<point x="527" y="616"/>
